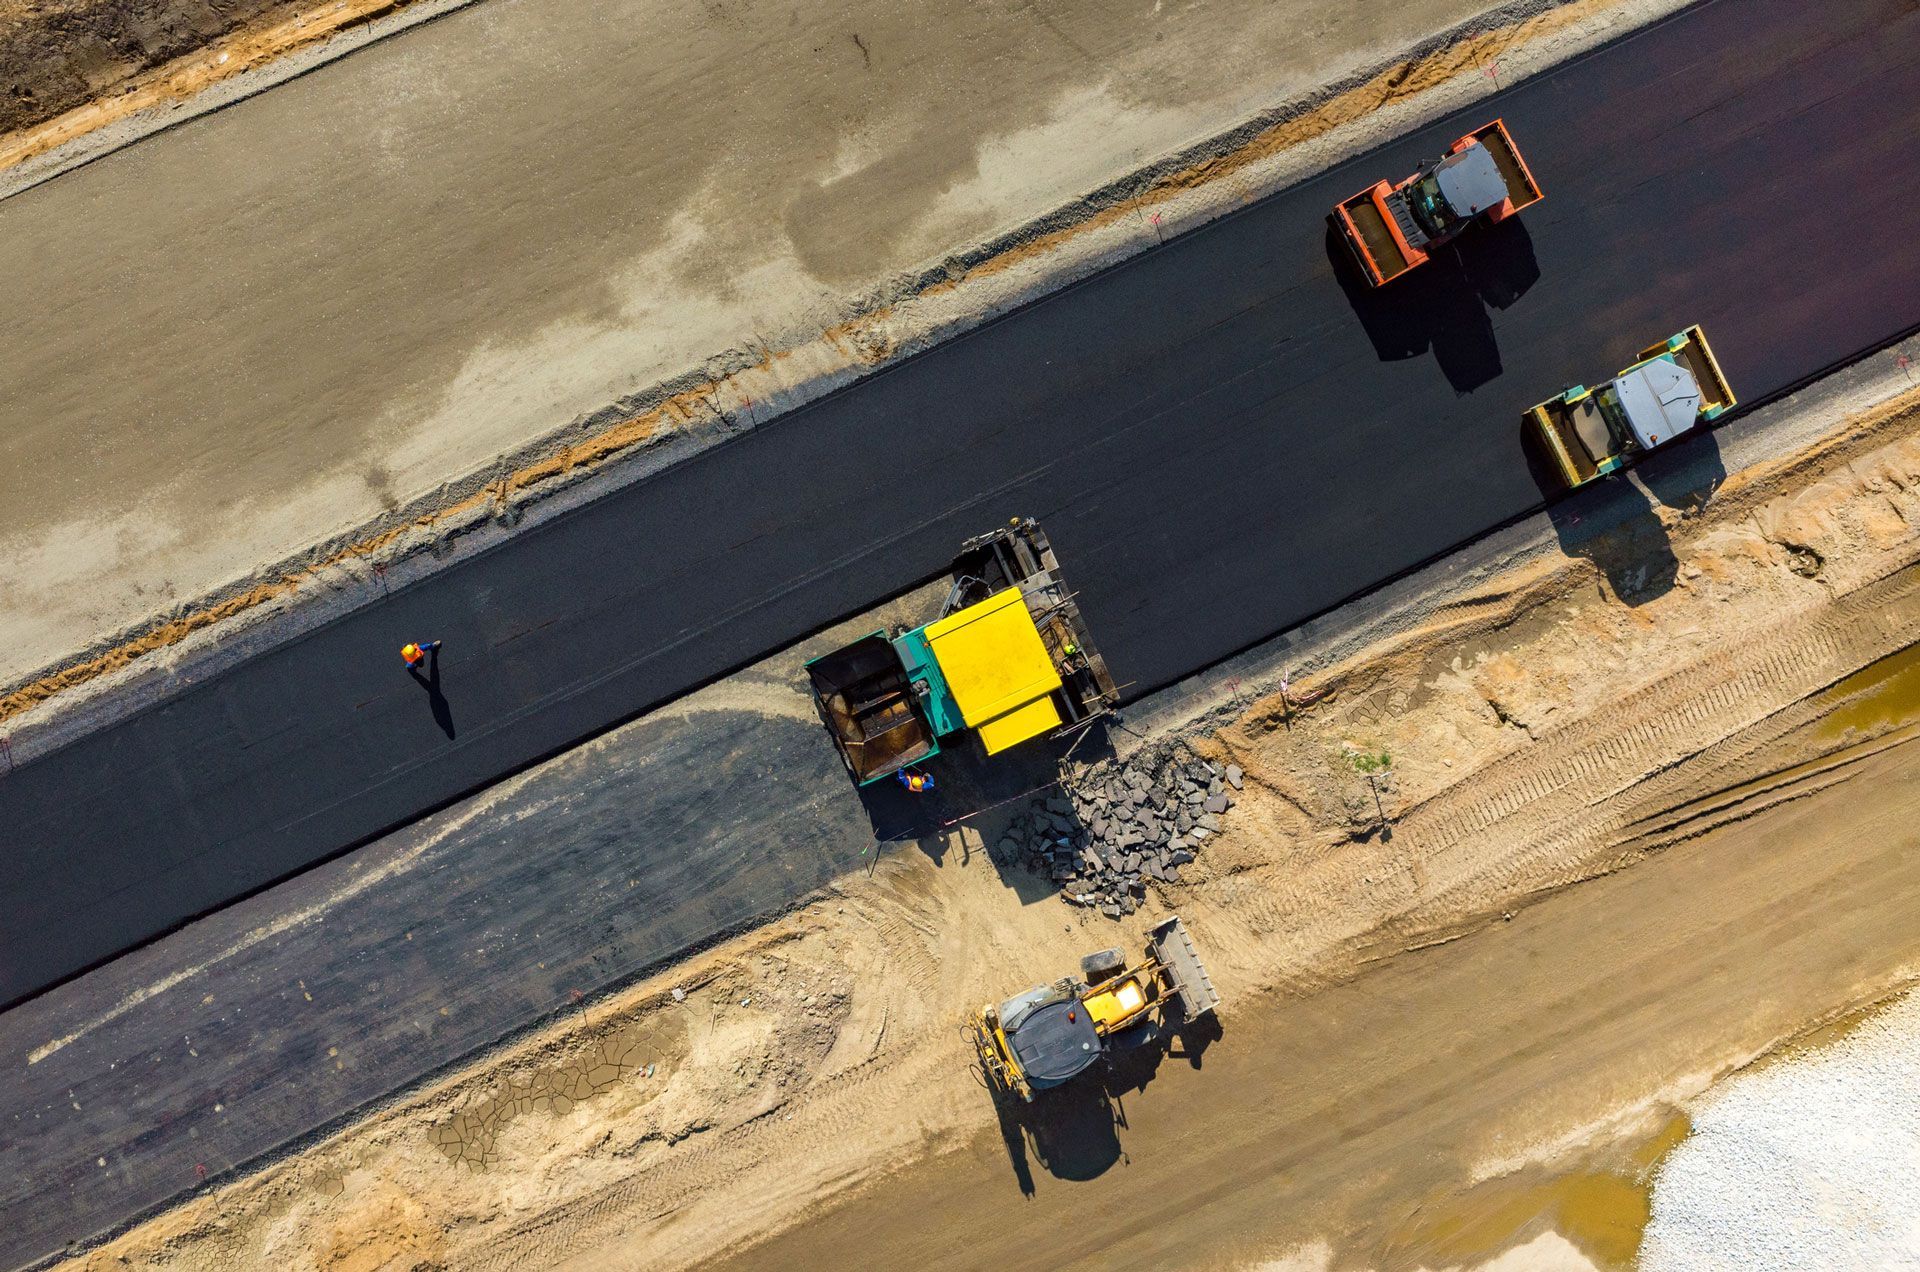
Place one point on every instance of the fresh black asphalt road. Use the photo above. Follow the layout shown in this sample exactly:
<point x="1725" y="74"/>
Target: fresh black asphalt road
<point x="1222" y="435"/>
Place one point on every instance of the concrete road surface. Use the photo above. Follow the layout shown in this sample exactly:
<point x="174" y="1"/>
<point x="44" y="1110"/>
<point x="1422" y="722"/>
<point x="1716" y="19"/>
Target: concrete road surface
<point x="1223" y="437"/>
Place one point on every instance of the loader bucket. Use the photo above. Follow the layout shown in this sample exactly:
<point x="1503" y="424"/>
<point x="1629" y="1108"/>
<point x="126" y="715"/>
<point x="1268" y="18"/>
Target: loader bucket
<point x="1173" y="949"/>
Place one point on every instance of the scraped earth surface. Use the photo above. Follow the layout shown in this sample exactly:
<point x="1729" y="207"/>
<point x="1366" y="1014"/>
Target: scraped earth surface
<point x="1646" y="816"/>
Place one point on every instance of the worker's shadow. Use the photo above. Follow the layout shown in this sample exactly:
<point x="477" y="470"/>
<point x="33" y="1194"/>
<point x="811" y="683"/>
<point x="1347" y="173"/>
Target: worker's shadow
<point x="1610" y="522"/>
<point x="1073" y="1131"/>
<point x="1443" y="306"/>
<point x="436" y="698"/>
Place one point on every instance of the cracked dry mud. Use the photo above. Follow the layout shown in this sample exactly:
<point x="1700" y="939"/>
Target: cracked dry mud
<point x="639" y="1053"/>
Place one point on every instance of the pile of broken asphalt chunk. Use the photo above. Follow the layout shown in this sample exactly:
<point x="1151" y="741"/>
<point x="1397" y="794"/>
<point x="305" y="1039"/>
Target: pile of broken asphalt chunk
<point x="1122" y="824"/>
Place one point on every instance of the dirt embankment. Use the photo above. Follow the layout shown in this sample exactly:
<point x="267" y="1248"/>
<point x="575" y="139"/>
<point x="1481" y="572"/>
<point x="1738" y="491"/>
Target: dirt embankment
<point x="1471" y="1055"/>
<point x="57" y="54"/>
<point x="100" y="60"/>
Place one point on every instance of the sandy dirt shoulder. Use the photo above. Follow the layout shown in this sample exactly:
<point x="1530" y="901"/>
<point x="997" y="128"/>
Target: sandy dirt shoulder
<point x="1649" y="814"/>
<point x="394" y="301"/>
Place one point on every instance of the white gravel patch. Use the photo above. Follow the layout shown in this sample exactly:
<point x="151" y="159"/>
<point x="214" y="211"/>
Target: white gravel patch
<point x="1809" y="1162"/>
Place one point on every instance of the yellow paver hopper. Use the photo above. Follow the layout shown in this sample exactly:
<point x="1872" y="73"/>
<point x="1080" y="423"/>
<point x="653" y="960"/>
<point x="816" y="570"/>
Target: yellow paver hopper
<point x="998" y="670"/>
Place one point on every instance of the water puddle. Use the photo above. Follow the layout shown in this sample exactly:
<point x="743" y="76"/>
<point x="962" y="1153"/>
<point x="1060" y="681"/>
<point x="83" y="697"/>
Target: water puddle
<point x="1601" y="1210"/>
<point x="1880" y="696"/>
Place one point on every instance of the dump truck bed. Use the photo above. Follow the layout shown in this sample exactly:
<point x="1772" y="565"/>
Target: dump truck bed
<point x="1522" y="189"/>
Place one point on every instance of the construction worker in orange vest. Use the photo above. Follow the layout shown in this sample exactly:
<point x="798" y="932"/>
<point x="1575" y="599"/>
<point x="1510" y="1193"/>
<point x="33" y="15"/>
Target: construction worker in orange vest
<point x="917" y="782"/>
<point x="417" y="654"/>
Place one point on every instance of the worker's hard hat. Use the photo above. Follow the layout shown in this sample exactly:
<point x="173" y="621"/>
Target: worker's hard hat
<point x="409" y="651"/>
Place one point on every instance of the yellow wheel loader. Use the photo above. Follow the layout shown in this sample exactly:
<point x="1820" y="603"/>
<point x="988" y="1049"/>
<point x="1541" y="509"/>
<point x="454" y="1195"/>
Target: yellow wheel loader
<point x="1053" y="1033"/>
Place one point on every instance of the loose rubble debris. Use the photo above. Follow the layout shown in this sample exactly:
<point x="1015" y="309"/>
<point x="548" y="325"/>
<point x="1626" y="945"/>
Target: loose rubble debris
<point x="1120" y="826"/>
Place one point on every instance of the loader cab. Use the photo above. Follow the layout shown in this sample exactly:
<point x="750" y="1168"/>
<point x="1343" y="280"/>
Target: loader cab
<point x="1050" y="1034"/>
<point x="1119" y="1004"/>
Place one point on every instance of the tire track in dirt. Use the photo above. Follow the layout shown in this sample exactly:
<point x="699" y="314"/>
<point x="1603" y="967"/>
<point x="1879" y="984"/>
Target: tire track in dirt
<point x="1564" y="801"/>
<point x="789" y="1131"/>
<point x="1564" y="805"/>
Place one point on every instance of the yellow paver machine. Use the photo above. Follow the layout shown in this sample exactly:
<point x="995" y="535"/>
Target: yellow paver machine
<point x="1053" y="1033"/>
<point x="1008" y="659"/>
